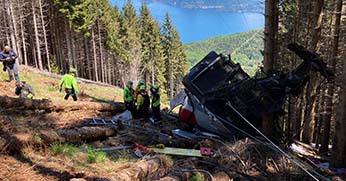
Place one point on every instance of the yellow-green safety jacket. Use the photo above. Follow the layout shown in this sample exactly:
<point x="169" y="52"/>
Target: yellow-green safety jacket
<point x="128" y="94"/>
<point x="155" y="100"/>
<point x="69" y="82"/>
<point x="143" y="101"/>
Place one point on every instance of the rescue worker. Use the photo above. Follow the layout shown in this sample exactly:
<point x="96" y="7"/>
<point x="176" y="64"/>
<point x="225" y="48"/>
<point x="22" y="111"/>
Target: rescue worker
<point x="24" y="90"/>
<point x="143" y="102"/>
<point x="8" y="58"/>
<point x="128" y="95"/>
<point x="155" y="103"/>
<point x="70" y="84"/>
<point x="140" y="83"/>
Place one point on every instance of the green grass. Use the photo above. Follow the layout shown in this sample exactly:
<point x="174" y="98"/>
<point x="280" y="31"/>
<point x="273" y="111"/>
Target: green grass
<point x="96" y="156"/>
<point x="3" y="75"/>
<point x="64" y="149"/>
<point x="196" y="177"/>
<point x="52" y="89"/>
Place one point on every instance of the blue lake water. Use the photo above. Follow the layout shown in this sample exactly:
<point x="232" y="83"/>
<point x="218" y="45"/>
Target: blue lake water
<point x="199" y="24"/>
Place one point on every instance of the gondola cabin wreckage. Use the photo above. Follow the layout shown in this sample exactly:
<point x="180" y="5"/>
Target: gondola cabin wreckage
<point x="222" y="99"/>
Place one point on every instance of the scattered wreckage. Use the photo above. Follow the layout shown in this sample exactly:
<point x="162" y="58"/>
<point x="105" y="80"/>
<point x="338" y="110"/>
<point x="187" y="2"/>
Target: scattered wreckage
<point x="222" y="99"/>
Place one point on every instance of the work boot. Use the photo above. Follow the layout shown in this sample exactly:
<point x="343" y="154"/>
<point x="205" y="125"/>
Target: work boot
<point x="10" y="79"/>
<point x="4" y="69"/>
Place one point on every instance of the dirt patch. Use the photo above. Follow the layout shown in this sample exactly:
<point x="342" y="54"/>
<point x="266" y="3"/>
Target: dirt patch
<point x="14" y="169"/>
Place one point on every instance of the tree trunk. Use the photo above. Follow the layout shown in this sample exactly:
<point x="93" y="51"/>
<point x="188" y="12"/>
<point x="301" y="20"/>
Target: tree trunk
<point x="23" y="40"/>
<point x="339" y="141"/>
<point x="73" y="52"/>
<point x="86" y="50"/>
<point x="311" y="91"/>
<point x="11" y="25"/>
<point x="101" y="53"/>
<point x="5" y="22"/>
<point x="38" y="49"/>
<point x="146" y="169"/>
<point x="269" y="34"/>
<point x="14" y="33"/>
<point x="17" y="103"/>
<point x="11" y="143"/>
<point x="327" y="118"/>
<point x="95" y="56"/>
<point x="68" y="45"/>
<point x="44" y="35"/>
<point x="77" y="135"/>
<point x="269" y="52"/>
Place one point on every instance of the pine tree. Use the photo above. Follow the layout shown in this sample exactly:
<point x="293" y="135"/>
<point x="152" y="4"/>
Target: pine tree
<point x="130" y="37"/>
<point x="175" y="58"/>
<point x="152" y="52"/>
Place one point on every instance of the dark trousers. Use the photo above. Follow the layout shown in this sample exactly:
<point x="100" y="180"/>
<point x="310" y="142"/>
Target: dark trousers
<point x="143" y="112"/>
<point x="156" y="113"/>
<point x="130" y="107"/>
<point x="72" y="93"/>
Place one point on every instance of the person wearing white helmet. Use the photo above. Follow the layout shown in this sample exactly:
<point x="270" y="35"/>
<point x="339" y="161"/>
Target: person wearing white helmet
<point x="8" y="58"/>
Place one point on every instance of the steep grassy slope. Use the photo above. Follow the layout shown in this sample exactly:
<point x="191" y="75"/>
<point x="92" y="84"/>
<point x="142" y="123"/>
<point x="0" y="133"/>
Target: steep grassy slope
<point x="244" y="48"/>
<point x="47" y="87"/>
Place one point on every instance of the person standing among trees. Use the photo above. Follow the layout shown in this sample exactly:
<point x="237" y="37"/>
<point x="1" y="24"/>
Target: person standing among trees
<point x="128" y="95"/>
<point x="70" y="84"/>
<point x="155" y="103"/>
<point x="8" y="58"/>
<point x="143" y="102"/>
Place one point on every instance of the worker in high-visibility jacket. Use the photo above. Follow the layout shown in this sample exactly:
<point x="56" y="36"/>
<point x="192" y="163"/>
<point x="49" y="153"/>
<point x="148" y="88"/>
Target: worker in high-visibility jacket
<point x="128" y="95"/>
<point x="69" y="82"/>
<point x="155" y="103"/>
<point x="24" y="90"/>
<point x="137" y="91"/>
<point x="143" y="102"/>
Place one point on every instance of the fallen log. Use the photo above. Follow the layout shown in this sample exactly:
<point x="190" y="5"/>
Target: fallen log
<point x="77" y="135"/>
<point x="15" y="142"/>
<point x="147" y="169"/>
<point x="45" y="104"/>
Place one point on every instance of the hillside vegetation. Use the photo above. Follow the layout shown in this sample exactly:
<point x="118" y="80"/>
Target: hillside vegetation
<point x="244" y="48"/>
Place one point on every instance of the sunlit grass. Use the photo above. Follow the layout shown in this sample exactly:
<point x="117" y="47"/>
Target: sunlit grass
<point x="96" y="156"/>
<point x="64" y="149"/>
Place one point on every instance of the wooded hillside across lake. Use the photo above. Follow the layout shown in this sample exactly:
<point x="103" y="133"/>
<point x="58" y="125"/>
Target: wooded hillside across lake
<point x="245" y="48"/>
